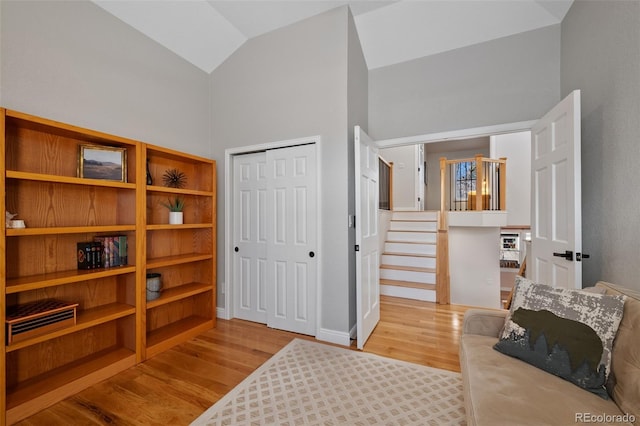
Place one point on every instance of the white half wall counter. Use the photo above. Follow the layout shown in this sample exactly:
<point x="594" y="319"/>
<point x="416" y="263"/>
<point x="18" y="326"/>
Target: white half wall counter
<point x="474" y="258"/>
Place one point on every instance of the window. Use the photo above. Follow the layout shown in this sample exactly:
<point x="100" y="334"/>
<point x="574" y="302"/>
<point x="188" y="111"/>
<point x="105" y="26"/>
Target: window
<point x="465" y="179"/>
<point x="384" y="185"/>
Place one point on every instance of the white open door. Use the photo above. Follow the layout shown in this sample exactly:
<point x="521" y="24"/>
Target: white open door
<point x="556" y="220"/>
<point x="367" y="256"/>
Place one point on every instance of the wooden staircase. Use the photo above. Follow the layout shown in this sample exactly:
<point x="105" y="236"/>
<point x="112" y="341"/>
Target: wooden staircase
<point x="408" y="264"/>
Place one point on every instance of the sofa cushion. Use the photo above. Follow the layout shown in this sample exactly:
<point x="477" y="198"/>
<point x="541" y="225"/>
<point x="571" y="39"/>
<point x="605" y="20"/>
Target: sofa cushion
<point x="624" y="381"/>
<point x="502" y="390"/>
<point x="568" y="333"/>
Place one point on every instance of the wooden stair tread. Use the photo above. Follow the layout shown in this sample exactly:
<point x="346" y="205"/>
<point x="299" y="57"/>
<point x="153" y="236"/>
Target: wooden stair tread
<point x="414" y="220"/>
<point x="392" y="253"/>
<point x="413" y="227"/>
<point x="411" y="242"/>
<point x="409" y="284"/>
<point x="408" y="268"/>
<point x="412" y="231"/>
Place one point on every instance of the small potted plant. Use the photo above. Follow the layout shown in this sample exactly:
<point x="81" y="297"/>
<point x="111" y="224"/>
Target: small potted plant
<point x="175" y="207"/>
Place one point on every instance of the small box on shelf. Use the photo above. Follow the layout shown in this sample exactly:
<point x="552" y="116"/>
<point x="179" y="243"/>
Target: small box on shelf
<point x="154" y="286"/>
<point x="37" y="318"/>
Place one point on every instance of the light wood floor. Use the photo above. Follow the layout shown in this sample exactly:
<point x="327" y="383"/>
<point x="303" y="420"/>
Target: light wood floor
<point x="176" y="386"/>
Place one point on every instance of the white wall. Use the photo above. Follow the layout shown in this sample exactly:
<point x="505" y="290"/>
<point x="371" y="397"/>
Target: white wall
<point x="516" y="148"/>
<point x="474" y="266"/>
<point x="290" y="83"/>
<point x="357" y="114"/>
<point x="73" y="62"/>
<point x="511" y="79"/>
<point x="601" y="57"/>
<point x="405" y="171"/>
<point x="384" y="223"/>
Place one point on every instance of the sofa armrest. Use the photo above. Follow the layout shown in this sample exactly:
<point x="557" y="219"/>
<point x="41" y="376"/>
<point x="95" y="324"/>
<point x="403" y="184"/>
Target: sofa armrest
<point x="484" y="322"/>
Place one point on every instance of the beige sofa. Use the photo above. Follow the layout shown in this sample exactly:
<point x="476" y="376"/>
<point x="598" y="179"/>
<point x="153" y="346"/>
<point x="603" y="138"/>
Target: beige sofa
<point x="501" y="390"/>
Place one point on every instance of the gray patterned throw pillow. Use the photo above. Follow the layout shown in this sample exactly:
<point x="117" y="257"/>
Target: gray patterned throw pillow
<point x="568" y="333"/>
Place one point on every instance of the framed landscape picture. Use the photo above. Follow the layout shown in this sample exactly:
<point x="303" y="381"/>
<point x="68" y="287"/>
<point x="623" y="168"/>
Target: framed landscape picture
<point x="102" y="162"/>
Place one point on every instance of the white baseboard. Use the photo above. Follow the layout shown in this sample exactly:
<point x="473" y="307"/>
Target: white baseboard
<point x="221" y="313"/>
<point x="325" y="335"/>
<point x="354" y="332"/>
<point x="408" y="293"/>
<point x="333" y="336"/>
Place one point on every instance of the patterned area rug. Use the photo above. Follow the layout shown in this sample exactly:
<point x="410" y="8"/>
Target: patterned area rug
<point x="308" y="383"/>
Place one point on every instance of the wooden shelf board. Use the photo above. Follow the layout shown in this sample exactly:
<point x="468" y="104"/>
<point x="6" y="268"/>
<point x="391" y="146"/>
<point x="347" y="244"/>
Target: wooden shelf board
<point x="60" y="230"/>
<point x="14" y="174"/>
<point x="164" y="226"/>
<point x="178" y="293"/>
<point x="176" y="260"/>
<point x="33" y="282"/>
<point x="85" y="319"/>
<point x="181" y="191"/>
<point x="40" y="392"/>
<point x="172" y="154"/>
<point x="175" y="333"/>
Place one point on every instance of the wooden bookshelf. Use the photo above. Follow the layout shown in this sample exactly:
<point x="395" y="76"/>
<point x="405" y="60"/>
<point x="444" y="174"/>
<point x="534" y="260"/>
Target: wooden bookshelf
<point x="115" y="326"/>
<point x="184" y="255"/>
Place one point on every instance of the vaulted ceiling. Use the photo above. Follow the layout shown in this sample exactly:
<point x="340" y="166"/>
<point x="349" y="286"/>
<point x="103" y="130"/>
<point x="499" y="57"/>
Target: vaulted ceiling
<point x="206" y="32"/>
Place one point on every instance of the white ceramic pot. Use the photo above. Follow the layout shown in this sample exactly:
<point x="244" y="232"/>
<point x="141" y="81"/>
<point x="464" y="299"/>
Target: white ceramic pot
<point x="175" y="218"/>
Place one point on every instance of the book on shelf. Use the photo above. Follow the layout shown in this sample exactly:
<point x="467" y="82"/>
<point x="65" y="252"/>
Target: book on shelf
<point x="115" y="250"/>
<point x="103" y="252"/>
<point x="89" y="254"/>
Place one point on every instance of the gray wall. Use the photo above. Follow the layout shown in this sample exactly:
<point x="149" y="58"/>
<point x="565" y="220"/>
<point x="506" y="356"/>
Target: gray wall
<point x="357" y="114"/>
<point x="507" y="80"/>
<point x="601" y="57"/>
<point x="73" y="62"/>
<point x="286" y="84"/>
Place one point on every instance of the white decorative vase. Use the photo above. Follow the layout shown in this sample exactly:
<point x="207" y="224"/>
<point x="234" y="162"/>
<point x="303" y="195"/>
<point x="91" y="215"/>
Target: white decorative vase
<point x="175" y="218"/>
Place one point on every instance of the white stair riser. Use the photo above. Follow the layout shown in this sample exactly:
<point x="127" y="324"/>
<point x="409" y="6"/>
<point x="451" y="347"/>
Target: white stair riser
<point x="414" y="237"/>
<point x="408" y="248"/>
<point x="408" y="293"/>
<point x="413" y="226"/>
<point x="414" y="216"/>
<point x="418" y="262"/>
<point x="410" y="276"/>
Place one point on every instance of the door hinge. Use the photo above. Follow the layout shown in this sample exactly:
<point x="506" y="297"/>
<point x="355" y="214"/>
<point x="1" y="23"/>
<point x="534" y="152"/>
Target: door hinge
<point x="357" y="247"/>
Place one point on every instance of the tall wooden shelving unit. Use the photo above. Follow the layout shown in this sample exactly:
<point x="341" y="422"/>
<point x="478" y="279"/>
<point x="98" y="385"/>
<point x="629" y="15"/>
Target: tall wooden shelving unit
<point x="115" y="328"/>
<point x="184" y="255"/>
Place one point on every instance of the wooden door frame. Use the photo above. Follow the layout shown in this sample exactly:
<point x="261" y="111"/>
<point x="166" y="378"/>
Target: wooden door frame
<point x="226" y="312"/>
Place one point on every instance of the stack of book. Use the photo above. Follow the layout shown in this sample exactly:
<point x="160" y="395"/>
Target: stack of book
<point x="103" y="252"/>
